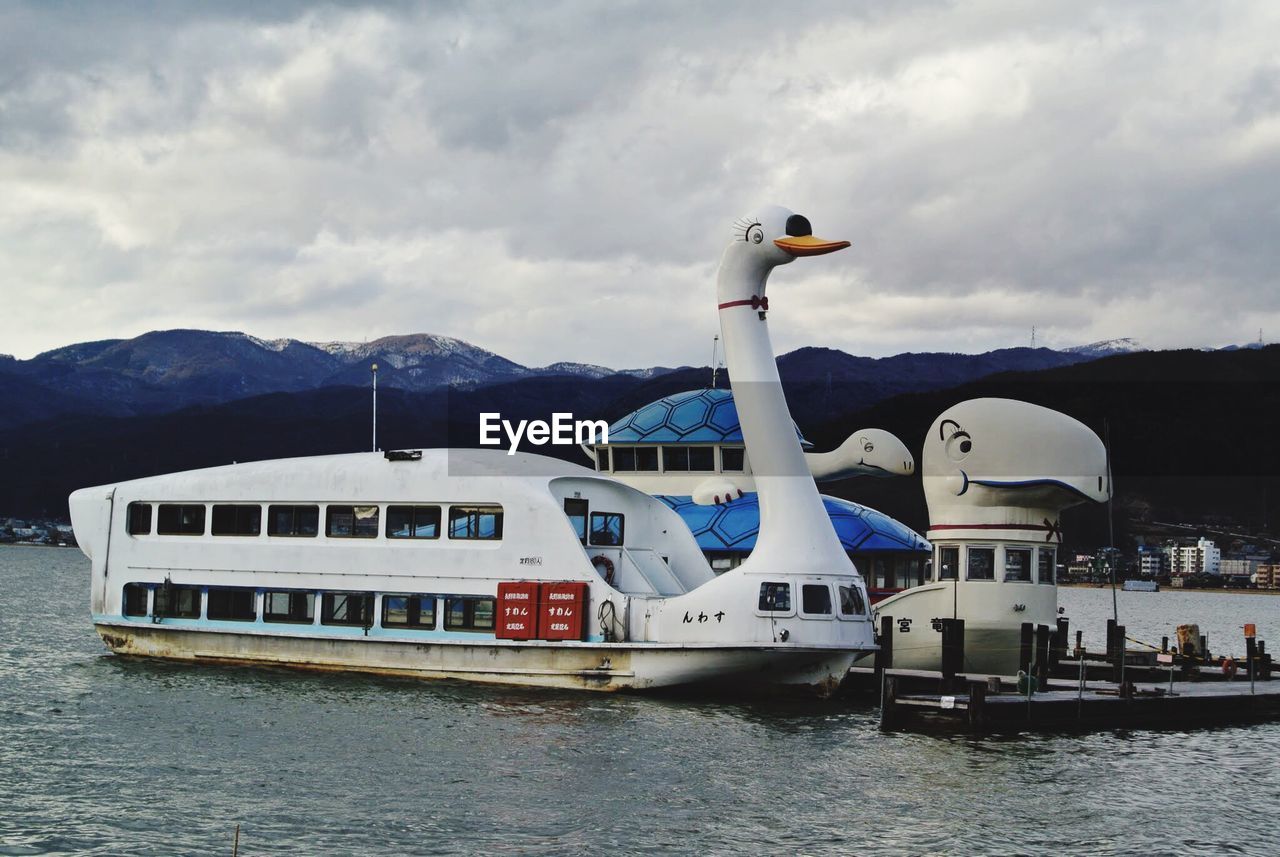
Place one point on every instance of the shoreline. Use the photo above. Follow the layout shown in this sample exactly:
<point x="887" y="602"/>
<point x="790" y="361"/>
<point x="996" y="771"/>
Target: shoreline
<point x="1164" y="589"/>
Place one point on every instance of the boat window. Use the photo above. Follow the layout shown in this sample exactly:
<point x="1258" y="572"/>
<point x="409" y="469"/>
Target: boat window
<point x="1048" y="559"/>
<point x="815" y="599"/>
<point x="851" y="601"/>
<point x="624" y="459"/>
<point x="675" y="458"/>
<point x="346" y="608"/>
<point x="293" y="521"/>
<point x="602" y="458"/>
<point x="135" y="599"/>
<point x="296" y="607"/>
<point x="139" y="515"/>
<point x="231" y="520"/>
<point x="731" y="459"/>
<point x="702" y="458"/>
<point x="351" y="522"/>
<point x="468" y="614"/>
<point x="575" y="509"/>
<point x="775" y="597"/>
<point x="982" y="564"/>
<point x="232" y="605"/>
<point x="882" y="573"/>
<point x="180" y="520"/>
<point x="475" y="522"/>
<point x="413" y="522"/>
<point x="178" y="602"/>
<point x="646" y="458"/>
<point x="1017" y="564"/>
<point x="606" y="529"/>
<point x="948" y="563"/>
<point x="409" y="611"/>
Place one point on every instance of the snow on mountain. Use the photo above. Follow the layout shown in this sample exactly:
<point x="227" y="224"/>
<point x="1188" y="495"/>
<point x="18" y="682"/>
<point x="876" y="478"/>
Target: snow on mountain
<point x="1107" y="347"/>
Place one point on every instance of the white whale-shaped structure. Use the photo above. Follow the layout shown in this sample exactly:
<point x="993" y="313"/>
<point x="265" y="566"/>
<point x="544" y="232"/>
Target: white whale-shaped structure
<point x="478" y="565"/>
<point x="997" y="475"/>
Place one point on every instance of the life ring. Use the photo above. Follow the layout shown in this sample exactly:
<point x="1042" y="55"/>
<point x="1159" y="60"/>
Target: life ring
<point x="1228" y="667"/>
<point x="602" y="560"/>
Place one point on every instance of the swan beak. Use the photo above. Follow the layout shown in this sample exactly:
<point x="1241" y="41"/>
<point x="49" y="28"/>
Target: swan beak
<point x="809" y="245"/>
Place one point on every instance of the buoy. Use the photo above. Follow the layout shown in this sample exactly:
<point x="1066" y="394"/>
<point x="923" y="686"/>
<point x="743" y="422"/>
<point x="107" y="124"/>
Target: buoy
<point x="1228" y="667"/>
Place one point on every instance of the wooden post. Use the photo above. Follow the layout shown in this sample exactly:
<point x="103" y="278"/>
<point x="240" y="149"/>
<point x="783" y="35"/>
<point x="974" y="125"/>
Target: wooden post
<point x="952" y="652"/>
<point x="1064" y="632"/>
<point x="1024" y="649"/>
<point x="888" y="701"/>
<point x="1119" y="656"/>
<point x="977" y="704"/>
<point x="1111" y="640"/>
<point x="1251" y="658"/>
<point x="1164" y="645"/>
<point x="1042" y="656"/>
<point x="1080" y="645"/>
<point x="884" y="655"/>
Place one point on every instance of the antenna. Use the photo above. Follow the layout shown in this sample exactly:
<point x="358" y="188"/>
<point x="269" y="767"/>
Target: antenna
<point x="715" y="366"/>
<point x="1033" y="336"/>
<point x="374" y="370"/>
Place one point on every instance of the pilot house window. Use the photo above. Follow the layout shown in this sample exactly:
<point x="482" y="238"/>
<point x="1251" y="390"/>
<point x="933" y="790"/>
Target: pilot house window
<point x="575" y="509"/>
<point x="948" y="563"/>
<point x="982" y="564"/>
<point x="475" y="522"/>
<point x="351" y="522"/>
<point x="1047" y="558"/>
<point x="815" y="599"/>
<point x="1017" y="564"/>
<point x="775" y="598"/>
<point x="606" y="529"/>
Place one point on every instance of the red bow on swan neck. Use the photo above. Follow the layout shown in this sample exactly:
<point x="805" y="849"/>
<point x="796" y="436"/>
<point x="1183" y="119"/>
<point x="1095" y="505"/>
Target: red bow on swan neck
<point x="756" y="302"/>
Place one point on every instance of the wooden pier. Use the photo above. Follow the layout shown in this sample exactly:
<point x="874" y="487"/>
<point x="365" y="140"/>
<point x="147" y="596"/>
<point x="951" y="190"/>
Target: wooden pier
<point x="1062" y="689"/>
<point x="1064" y="706"/>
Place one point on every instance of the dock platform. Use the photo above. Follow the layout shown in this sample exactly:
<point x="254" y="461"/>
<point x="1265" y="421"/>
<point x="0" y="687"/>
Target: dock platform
<point x="1063" y="706"/>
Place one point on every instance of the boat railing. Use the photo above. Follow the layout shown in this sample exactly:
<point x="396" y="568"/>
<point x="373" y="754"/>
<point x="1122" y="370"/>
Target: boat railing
<point x="653" y="569"/>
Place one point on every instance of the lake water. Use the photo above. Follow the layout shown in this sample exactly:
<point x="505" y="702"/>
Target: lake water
<point x="102" y="755"/>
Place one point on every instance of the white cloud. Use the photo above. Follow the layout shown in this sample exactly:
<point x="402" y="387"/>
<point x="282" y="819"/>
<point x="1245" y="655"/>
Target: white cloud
<point x="557" y="186"/>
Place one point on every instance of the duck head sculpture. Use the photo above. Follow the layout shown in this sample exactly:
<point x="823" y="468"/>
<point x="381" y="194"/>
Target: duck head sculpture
<point x="993" y="462"/>
<point x="794" y="527"/>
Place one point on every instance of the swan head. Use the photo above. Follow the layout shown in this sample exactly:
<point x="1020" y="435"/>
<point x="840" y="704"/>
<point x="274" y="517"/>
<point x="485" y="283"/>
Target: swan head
<point x="774" y="236"/>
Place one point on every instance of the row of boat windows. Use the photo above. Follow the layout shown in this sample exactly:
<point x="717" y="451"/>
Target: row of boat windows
<point x="357" y="609"/>
<point x="1020" y="565"/>
<point x="473" y="522"/>
<point x="670" y="459"/>
<point x="815" y="599"/>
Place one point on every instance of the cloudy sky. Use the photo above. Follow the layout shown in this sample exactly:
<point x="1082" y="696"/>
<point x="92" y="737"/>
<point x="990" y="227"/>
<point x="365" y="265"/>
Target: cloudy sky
<point x="555" y="181"/>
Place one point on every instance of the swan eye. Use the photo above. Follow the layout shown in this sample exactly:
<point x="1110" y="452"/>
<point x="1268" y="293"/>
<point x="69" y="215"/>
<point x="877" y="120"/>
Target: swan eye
<point x="755" y="234"/>
<point x="868" y="446"/>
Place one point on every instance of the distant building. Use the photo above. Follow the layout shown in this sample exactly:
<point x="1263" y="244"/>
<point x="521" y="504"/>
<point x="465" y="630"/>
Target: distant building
<point x="1240" y="568"/>
<point x="1203" y="557"/>
<point x="1269" y="575"/>
<point x="1151" y="563"/>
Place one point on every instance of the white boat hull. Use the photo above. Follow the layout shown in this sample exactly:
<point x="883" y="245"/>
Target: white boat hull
<point x="747" y="670"/>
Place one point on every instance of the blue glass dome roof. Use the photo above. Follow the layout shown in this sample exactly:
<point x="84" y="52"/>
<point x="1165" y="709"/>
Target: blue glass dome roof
<point x="694" y="416"/>
<point x="734" y="526"/>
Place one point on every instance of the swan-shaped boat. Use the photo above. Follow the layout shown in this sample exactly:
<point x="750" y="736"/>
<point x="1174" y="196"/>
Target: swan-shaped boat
<point x="489" y="567"/>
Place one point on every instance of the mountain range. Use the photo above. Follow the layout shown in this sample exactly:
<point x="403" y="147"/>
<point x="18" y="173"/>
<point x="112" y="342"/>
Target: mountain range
<point x="1189" y="430"/>
<point x="167" y="370"/>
